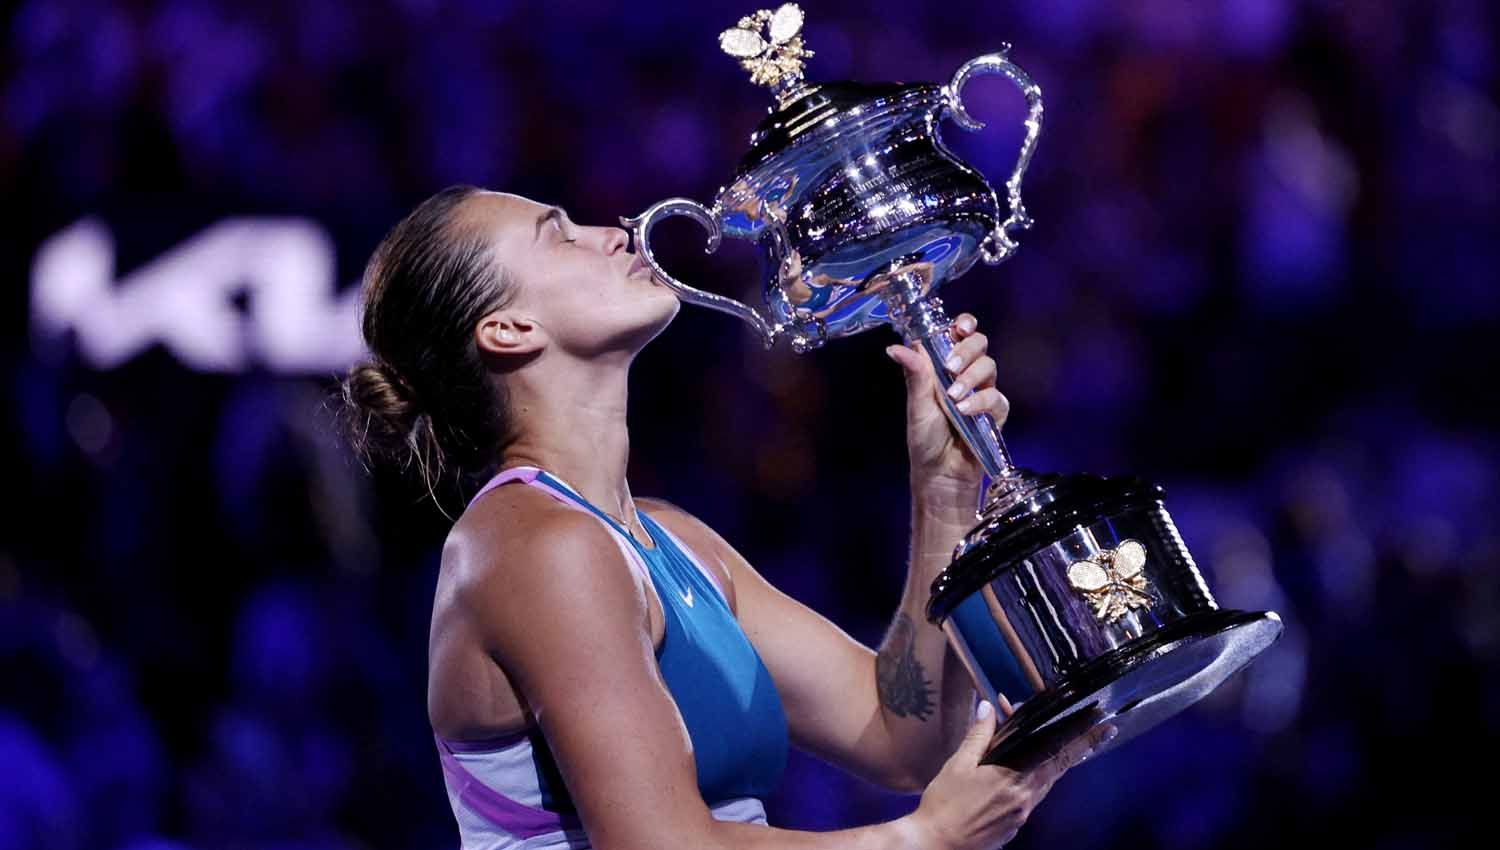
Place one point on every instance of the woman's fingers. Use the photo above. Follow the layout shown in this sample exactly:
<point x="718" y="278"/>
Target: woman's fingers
<point x="986" y="400"/>
<point x="979" y="374"/>
<point x="1072" y="753"/>
<point x="965" y="352"/>
<point x="981" y="733"/>
<point x="974" y="372"/>
<point x="914" y="364"/>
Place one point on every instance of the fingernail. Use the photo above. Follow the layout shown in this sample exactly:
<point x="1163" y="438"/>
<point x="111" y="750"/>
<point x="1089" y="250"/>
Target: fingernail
<point x="967" y="323"/>
<point x="956" y="390"/>
<point x="965" y="406"/>
<point x="985" y="709"/>
<point x="1110" y="735"/>
<point x="953" y="363"/>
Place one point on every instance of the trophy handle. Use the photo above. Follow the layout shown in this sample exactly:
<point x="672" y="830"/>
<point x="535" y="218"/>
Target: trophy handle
<point x="998" y="246"/>
<point x="640" y="229"/>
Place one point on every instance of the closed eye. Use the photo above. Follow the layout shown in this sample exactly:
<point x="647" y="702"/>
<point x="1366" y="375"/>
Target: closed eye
<point x="555" y="217"/>
<point x="560" y="220"/>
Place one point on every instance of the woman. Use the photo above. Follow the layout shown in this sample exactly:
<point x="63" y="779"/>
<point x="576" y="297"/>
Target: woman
<point x="605" y="670"/>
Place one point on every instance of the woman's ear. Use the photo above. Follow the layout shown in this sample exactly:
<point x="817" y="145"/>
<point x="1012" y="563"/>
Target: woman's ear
<point x="507" y="332"/>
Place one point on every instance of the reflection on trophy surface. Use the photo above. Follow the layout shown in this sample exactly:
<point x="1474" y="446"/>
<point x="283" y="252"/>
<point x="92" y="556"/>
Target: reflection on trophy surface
<point x="1074" y="595"/>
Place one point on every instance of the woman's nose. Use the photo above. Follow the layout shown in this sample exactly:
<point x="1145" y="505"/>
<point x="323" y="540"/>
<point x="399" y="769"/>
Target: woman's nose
<point x="615" y="240"/>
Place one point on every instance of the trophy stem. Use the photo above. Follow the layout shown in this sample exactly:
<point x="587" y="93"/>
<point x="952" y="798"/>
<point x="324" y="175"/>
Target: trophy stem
<point x="922" y="320"/>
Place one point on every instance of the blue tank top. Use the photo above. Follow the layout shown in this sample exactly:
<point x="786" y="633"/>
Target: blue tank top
<point x="723" y="690"/>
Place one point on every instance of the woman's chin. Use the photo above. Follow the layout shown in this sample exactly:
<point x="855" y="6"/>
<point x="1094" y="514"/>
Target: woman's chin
<point x="673" y="306"/>
<point x="666" y="294"/>
<point x="657" y="322"/>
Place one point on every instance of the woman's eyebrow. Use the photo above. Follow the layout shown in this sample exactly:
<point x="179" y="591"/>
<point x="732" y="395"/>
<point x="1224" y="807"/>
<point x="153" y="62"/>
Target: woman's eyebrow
<point x="547" y="215"/>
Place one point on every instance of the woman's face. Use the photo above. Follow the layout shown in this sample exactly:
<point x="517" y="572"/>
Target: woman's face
<point x="586" y="291"/>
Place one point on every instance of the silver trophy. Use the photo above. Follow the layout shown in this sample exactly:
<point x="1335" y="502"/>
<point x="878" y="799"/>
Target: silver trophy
<point x="1074" y="597"/>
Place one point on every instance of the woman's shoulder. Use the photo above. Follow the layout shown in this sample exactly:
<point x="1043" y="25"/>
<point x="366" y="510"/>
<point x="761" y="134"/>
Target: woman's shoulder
<point x="676" y="520"/>
<point x="516" y="537"/>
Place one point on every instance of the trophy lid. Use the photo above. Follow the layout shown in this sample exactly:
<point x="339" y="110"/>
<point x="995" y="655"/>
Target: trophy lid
<point x="769" y="46"/>
<point x="829" y="109"/>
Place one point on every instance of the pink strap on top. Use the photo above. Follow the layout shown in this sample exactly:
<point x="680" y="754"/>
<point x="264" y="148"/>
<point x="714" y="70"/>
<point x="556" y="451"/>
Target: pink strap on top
<point x="529" y="474"/>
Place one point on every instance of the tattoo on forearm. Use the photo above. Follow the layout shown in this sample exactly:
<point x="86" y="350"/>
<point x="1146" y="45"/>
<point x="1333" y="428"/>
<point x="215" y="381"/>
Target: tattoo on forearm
<point x="904" y="689"/>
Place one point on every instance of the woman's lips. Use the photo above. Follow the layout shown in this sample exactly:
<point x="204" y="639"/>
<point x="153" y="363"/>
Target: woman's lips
<point x="637" y="266"/>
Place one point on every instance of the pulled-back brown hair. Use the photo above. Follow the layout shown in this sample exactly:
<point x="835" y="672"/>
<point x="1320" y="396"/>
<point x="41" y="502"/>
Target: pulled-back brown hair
<point x="424" y="402"/>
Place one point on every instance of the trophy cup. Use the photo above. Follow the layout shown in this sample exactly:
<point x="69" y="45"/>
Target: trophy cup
<point x="1073" y="597"/>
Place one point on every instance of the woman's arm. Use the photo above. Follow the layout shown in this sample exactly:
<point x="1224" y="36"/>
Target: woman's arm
<point x="567" y="620"/>
<point x="844" y="703"/>
<point x="925" y="693"/>
<point x="894" y="716"/>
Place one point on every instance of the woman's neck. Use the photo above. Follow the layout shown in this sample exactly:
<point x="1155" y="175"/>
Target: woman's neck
<point x="573" y="426"/>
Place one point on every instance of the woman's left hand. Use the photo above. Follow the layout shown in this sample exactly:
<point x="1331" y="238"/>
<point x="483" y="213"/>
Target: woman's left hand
<point x="940" y="460"/>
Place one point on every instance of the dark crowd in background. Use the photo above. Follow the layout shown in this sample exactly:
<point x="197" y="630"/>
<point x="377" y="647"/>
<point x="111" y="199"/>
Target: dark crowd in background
<point x="1263" y="273"/>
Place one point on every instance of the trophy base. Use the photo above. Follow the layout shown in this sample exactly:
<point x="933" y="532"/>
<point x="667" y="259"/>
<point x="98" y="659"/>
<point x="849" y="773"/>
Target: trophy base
<point x="1138" y="685"/>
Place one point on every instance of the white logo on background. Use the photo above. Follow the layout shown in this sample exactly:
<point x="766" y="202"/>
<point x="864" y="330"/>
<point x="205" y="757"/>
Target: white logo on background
<point x="296" y="322"/>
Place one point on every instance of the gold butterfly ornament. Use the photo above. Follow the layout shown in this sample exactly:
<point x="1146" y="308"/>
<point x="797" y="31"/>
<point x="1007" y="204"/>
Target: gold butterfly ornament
<point x="1113" y="581"/>
<point x="768" y="45"/>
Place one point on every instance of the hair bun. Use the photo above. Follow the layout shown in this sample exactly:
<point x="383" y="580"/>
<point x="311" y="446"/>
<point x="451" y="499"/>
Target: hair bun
<point x="425" y="401"/>
<point x="380" y="412"/>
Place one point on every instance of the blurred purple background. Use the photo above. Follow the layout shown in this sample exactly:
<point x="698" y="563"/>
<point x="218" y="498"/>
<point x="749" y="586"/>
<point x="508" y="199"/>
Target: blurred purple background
<point x="1263" y="273"/>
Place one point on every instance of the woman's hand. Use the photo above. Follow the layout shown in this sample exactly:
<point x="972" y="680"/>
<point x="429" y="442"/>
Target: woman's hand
<point x="973" y="806"/>
<point x="940" y="460"/>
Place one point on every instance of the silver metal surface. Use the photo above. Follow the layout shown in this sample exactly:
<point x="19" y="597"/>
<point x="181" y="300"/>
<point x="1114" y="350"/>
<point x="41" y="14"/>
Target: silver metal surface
<point x="999" y="245"/>
<point x="1068" y="586"/>
<point x="866" y="196"/>
<point x="1055" y="625"/>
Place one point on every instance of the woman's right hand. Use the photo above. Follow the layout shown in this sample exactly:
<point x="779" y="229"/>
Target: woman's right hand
<point x="973" y="806"/>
